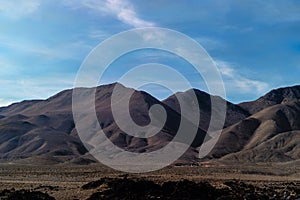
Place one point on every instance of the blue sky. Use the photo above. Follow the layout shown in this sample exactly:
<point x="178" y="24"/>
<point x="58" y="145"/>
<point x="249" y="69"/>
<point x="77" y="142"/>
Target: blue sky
<point x="255" y="44"/>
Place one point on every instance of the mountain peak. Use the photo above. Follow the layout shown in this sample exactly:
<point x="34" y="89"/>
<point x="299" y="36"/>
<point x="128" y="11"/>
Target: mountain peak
<point x="276" y="96"/>
<point x="286" y="93"/>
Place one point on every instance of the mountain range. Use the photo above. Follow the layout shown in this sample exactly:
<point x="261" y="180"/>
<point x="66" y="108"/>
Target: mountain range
<point x="44" y="132"/>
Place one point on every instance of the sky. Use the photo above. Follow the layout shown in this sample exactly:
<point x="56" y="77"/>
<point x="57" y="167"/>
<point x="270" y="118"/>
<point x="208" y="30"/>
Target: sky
<point x="255" y="44"/>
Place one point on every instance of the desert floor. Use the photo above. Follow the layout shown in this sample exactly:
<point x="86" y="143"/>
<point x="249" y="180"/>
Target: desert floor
<point x="65" y="182"/>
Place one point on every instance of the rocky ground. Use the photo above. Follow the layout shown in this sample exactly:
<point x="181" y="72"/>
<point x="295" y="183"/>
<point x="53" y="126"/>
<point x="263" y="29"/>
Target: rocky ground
<point x="212" y="181"/>
<point x="185" y="189"/>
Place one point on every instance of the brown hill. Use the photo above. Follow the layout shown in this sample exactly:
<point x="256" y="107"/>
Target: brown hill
<point x="269" y="135"/>
<point x="234" y="113"/>
<point x="276" y="96"/>
<point x="44" y="130"/>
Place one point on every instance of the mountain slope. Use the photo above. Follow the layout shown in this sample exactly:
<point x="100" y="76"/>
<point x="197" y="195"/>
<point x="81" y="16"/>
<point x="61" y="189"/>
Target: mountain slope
<point x="282" y="147"/>
<point x="269" y="135"/>
<point x="234" y="113"/>
<point x="276" y="96"/>
<point x="44" y="130"/>
<point x="46" y="127"/>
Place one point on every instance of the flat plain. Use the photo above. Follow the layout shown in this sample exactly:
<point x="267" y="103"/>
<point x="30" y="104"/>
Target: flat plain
<point x="274" y="181"/>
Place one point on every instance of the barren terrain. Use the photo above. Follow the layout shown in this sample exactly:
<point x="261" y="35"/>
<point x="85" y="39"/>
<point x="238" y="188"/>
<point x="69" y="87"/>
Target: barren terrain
<point x="206" y="181"/>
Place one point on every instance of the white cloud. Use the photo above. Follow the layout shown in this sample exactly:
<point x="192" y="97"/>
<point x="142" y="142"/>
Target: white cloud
<point x="121" y="9"/>
<point x="98" y="34"/>
<point x="234" y="81"/>
<point x="34" y="88"/>
<point x="5" y="102"/>
<point x="287" y="11"/>
<point x="73" y="50"/>
<point x="126" y="13"/>
<point x="18" y="8"/>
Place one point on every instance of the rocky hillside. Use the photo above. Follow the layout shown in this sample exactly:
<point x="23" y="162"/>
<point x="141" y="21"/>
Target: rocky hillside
<point x="264" y="130"/>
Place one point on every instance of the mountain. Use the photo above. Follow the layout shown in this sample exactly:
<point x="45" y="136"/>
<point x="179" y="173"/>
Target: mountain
<point x="46" y="127"/>
<point x="276" y="96"/>
<point x="272" y="134"/>
<point x="234" y="113"/>
<point x="43" y="131"/>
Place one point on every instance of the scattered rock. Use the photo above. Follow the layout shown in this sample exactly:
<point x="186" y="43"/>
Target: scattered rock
<point x="24" y="195"/>
<point x="130" y="189"/>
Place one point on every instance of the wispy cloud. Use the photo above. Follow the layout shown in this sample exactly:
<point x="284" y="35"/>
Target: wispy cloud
<point x="126" y="13"/>
<point x="34" y="88"/>
<point x="280" y="12"/>
<point x="234" y="81"/>
<point x="121" y="9"/>
<point x="5" y="102"/>
<point x="18" y="8"/>
<point x="64" y="51"/>
<point x="98" y="34"/>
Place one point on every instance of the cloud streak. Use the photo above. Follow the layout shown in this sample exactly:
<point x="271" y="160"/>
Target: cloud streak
<point x="18" y="8"/>
<point x="34" y="88"/>
<point x="123" y="10"/>
<point x="126" y="13"/>
<point x="234" y="81"/>
<point x="63" y="51"/>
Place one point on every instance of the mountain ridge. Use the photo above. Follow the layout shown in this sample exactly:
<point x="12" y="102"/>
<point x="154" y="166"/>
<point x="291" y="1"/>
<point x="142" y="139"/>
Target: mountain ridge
<point x="33" y="129"/>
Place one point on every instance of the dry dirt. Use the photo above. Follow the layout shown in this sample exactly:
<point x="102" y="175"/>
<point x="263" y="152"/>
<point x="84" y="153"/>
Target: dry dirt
<point x="207" y="181"/>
